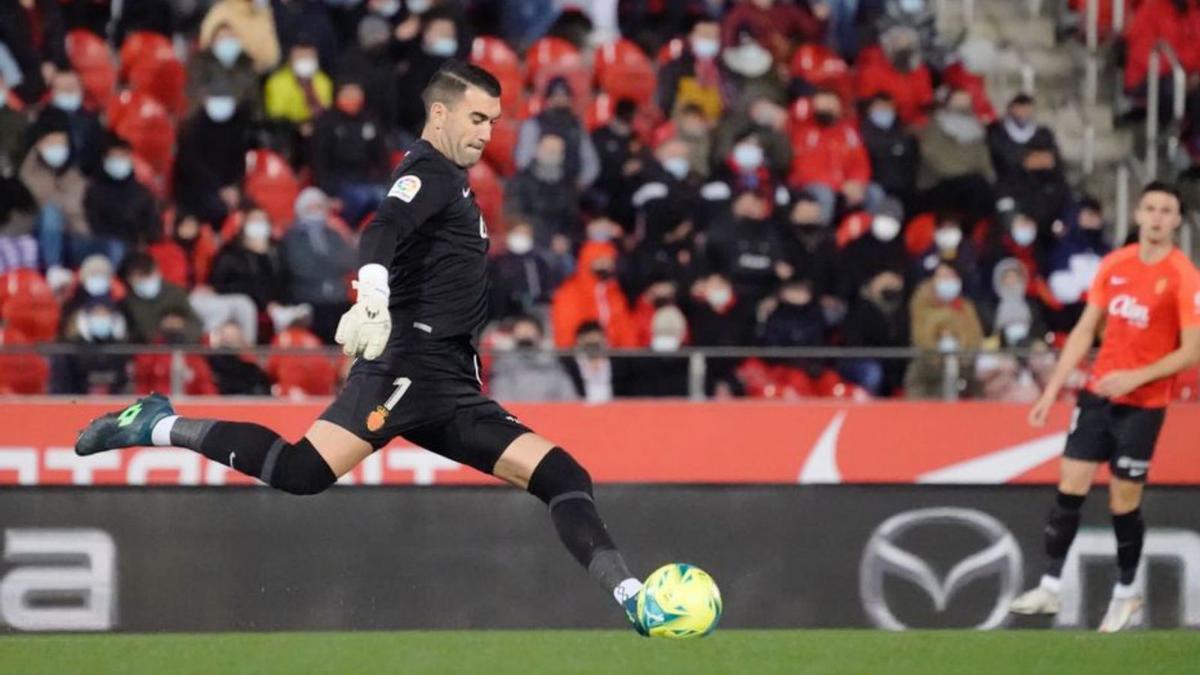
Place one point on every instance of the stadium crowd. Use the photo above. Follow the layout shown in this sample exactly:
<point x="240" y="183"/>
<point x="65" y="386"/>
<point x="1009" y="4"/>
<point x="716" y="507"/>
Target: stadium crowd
<point x="668" y="173"/>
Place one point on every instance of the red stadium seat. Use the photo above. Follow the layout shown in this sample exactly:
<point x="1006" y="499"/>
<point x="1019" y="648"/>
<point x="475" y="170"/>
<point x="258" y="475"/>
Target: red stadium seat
<point x="28" y="306"/>
<point x="549" y="51"/>
<point x="149" y="64"/>
<point x="299" y="374"/>
<point x="154" y="181"/>
<point x="93" y="60"/>
<point x="140" y="119"/>
<point x="489" y="193"/>
<point x="152" y="372"/>
<point x="495" y="56"/>
<point x="272" y="184"/>
<point x="624" y="71"/>
<point x="21" y="373"/>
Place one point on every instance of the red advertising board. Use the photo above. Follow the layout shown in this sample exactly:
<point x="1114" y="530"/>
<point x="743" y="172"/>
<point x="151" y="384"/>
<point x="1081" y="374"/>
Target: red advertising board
<point x="637" y="441"/>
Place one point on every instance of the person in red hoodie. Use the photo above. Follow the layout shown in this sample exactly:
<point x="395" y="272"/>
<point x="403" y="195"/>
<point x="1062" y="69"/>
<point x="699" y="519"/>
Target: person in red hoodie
<point x="895" y="67"/>
<point x="592" y="294"/>
<point x="829" y="158"/>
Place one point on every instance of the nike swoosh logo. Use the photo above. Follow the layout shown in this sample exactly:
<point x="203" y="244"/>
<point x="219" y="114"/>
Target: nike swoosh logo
<point x="231" y="456"/>
<point x="466" y="192"/>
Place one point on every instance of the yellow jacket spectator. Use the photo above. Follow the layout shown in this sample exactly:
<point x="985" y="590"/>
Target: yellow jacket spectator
<point x="254" y="25"/>
<point x="299" y="91"/>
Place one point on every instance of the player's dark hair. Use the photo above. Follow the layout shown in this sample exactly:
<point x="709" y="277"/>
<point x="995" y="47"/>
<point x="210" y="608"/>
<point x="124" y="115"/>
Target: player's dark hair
<point x="450" y="82"/>
<point x="1164" y="187"/>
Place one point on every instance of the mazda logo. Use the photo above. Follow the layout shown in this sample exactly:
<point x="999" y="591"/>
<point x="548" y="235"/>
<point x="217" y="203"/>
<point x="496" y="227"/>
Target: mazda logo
<point x="883" y="557"/>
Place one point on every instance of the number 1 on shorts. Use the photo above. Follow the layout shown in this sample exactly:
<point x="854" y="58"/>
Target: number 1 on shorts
<point x="402" y="385"/>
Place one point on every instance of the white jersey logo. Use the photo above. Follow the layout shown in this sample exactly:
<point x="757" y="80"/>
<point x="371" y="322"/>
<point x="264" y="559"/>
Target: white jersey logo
<point x="1127" y="307"/>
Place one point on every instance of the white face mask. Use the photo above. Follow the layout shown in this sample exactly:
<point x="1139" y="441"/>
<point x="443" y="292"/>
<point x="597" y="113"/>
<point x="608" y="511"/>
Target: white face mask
<point x="444" y="46"/>
<point x="719" y="296"/>
<point x="947" y="344"/>
<point x="947" y="289"/>
<point x="118" y="168"/>
<point x="388" y="9"/>
<point x="97" y="285"/>
<point x="705" y="48"/>
<point x="677" y="167"/>
<point x="220" y="108"/>
<point x="419" y="6"/>
<point x="519" y="243"/>
<point x="1024" y="235"/>
<point x="147" y="288"/>
<point x="1015" y="332"/>
<point x="69" y="102"/>
<point x="748" y="156"/>
<point x="948" y="238"/>
<point x="304" y="68"/>
<point x="885" y="228"/>
<point x="99" y="326"/>
<point x="55" y="155"/>
<point x="664" y="343"/>
<point x="227" y="50"/>
<point x="257" y="229"/>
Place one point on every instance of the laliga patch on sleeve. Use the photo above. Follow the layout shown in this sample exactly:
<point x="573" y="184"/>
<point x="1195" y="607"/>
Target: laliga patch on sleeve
<point x="405" y="188"/>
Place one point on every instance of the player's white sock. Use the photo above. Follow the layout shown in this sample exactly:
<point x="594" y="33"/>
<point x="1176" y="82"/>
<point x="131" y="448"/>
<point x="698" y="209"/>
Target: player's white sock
<point x="627" y="589"/>
<point x="1052" y="584"/>
<point x="161" y="433"/>
<point x="1123" y="592"/>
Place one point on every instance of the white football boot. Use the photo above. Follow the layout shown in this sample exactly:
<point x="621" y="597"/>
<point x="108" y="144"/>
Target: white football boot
<point x="1041" y="600"/>
<point x="1124" y="610"/>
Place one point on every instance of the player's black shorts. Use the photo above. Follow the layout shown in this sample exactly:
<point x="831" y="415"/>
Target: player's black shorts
<point x="433" y="400"/>
<point x="1122" y="435"/>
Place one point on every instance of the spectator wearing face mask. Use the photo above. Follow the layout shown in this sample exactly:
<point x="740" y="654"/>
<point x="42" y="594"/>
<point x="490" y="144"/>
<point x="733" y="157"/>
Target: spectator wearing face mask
<point x="664" y="375"/>
<point x="751" y="72"/>
<point x="619" y="151"/>
<point x="161" y="372"/>
<point x="151" y="299"/>
<point x="763" y="117"/>
<point x="524" y="276"/>
<point x="1081" y="240"/>
<point x="57" y="185"/>
<point x="318" y="259"/>
<point x="581" y="164"/>
<point x="695" y="76"/>
<point x="211" y="159"/>
<point x="744" y="169"/>
<point x="878" y="317"/>
<point x="1014" y="302"/>
<point x="950" y="246"/>
<point x="593" y="294"/>
<point x="896" y="68"/>
<point x="420" y="57"/>
<point x="350" y="157"/>
<point x="83" y="125"/>
<point x="301" y="21"/>
<point x="598" y="377"/>
<point x="664" y="196"/>
<point x="371" y="61"/>
<point x="251" y="264"/>
<point x="236" y="374"/>
<point x="892" y="149"/>
<point x="96" y="284"/>
<point x="956" y="169"/>
<point x="777" y="26"/>
<point x="717" y="317"/>
<point x="878" y="249"/>
<point x="87" y="370"/>
<point x="694" y="129"/>
<point x="1016" y="322"/>
<point x="1039" y="189"/>
<point x="528" y="371"/>
<point x="946" y="324"/>
<point x="1017" y="240"/>
<point x="809" y="249"/>
<point x="226" y="61"/>
<point x="299" y="91"/>
<point x="831" y="162"/>
<point x="121" y="211"/>
<point x="253" y="22"/>
<point x="34" y="34"/>
<point x="918" y="16"/>
<point x="744" y="245"/>
<point x="1010" y="137"/>
<point x="545" y="194"/>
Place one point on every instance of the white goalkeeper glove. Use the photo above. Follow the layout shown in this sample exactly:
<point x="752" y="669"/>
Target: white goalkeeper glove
<point x="364" y="330"/>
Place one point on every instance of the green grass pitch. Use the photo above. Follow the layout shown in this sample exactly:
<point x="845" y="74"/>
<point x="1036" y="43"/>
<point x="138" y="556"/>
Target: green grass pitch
<point x="579" y="652"/>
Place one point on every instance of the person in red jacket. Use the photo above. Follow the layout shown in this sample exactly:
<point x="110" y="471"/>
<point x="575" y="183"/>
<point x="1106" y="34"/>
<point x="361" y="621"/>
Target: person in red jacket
<point x="829" y="159"/>
<point x="1175" y="21"/>
<point x="777" y="26"/>
<point x="895" y="67"/>
<point x="592" y="294"/>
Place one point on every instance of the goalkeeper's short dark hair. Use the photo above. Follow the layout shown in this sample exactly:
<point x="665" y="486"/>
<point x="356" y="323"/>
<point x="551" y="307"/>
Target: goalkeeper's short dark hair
<point x="450" y="82"/>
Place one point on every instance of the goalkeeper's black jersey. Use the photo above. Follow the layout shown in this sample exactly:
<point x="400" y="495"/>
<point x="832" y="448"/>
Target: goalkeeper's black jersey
<point x="430" y="234"/>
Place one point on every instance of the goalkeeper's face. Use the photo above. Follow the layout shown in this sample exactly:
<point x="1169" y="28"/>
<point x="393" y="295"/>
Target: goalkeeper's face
<point x="468" y="125"/>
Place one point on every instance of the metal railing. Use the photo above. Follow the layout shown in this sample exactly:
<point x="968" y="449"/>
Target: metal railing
<point x="1160" y="51"/>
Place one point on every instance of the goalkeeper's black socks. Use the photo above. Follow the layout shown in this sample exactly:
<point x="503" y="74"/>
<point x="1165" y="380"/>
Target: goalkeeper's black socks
<point x="251" y="449"/>
<point x="1131" y="532"/>
<point x="1061" y="526"/>
<point x="566" y="488"/>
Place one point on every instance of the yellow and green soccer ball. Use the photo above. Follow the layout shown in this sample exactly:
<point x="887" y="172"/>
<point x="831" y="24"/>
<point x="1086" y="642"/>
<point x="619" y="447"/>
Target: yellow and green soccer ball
<point x="679" y="601"/>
